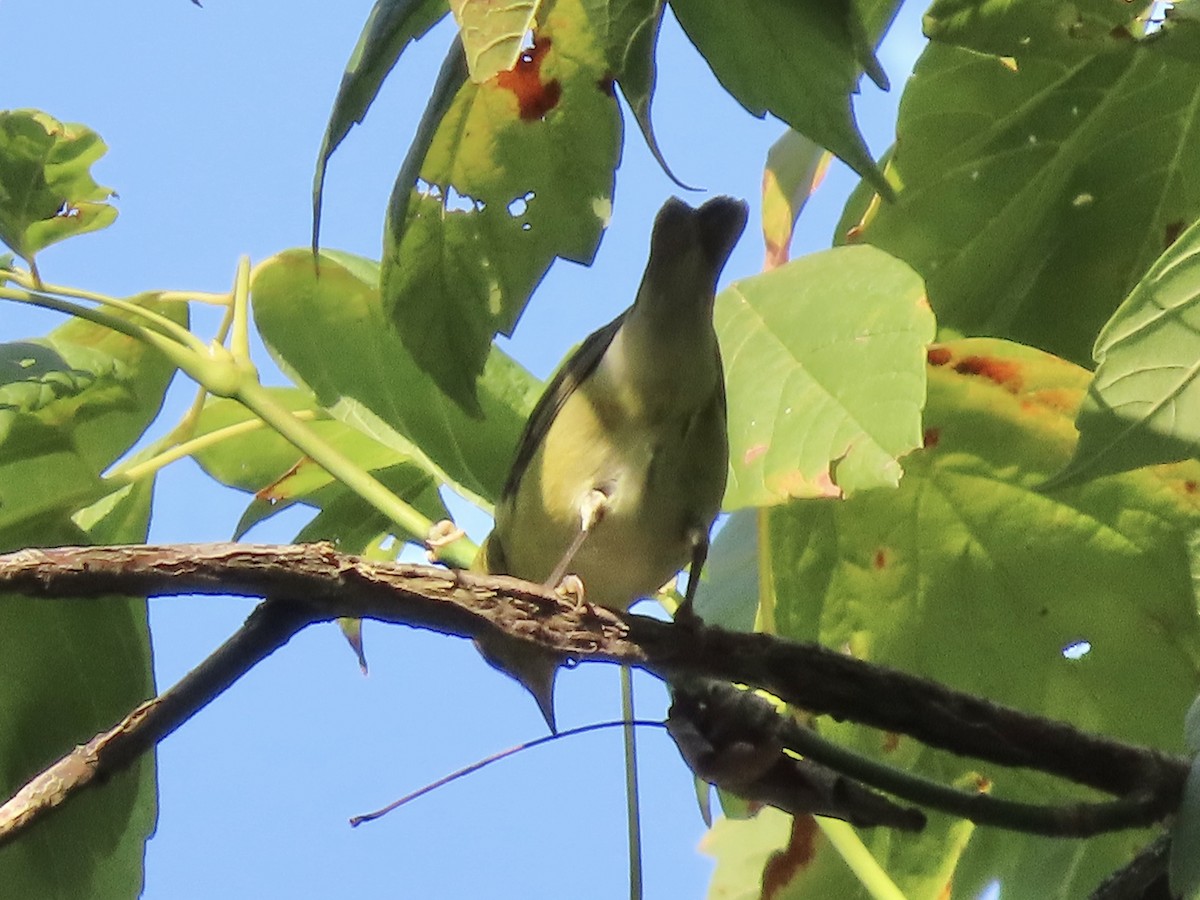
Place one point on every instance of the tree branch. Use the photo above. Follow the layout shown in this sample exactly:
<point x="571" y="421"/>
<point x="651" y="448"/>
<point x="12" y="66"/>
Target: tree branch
<point x="466" y="604"/>
<point x="268" y="628"/>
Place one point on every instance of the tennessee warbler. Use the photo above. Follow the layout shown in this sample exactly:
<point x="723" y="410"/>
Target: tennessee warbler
<point x="621" y="468"/>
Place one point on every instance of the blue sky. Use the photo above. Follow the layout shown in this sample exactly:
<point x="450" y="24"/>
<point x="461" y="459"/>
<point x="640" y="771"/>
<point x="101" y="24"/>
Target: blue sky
<point x="213" y="117"/>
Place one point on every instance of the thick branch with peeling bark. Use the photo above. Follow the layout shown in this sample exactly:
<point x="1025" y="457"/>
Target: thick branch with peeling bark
<point x="465" y="604"/>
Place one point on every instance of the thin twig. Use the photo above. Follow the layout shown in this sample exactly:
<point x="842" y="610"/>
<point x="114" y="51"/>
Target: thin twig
<point x="269" y="627"/>
<point x="355" y="821"/>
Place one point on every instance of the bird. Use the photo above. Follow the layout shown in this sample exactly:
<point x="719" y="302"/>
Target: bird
<point x="620" y="471"/>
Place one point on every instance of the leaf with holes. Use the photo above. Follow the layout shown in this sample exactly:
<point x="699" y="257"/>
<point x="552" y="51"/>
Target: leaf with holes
<point x="1036" y="190"/>
<point x="505" y="177"/>
<point x="967" y="574"/>
<point x="493" y="35"/>
<point x="47" y="193"/>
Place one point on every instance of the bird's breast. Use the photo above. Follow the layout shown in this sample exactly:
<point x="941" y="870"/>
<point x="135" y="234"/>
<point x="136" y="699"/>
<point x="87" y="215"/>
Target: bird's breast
<point x="663" y="479"/>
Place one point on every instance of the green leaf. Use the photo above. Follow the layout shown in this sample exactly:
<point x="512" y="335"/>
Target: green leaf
<point x="632" y="58"/>
<point x="796" y="858"/>
<point x="70" y="404"/>
<point x="1036" y="191"/>
<point x="794" y="170"/>
<point x="70" y="669"/>
<point x="728" y="592"/>
<point x="258" y="460"/>
<point x="968" y="575"/>
<point x="824" y="366"/>
<point x="493" y="35"/>
<point x="1008" y="28"/>
<point x="46" y="189"/>
<point x="329" y="332"/>
<point x="391" y="27"/>
<point x="1143" y="406"/>
<point x="353" y="524"/>
<point x="797" y="59"/>
<point x="504" y="177"/>
<point x="87" y="661"/>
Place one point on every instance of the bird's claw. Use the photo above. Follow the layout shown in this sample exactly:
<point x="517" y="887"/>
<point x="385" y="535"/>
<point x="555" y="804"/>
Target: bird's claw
<point x="441" y="534"/>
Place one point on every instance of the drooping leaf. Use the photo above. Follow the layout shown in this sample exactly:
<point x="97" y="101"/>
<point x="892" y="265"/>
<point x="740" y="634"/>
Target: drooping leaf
<point x="632" y="60"/>
<point x="47" y="193"/>
<point x="800" y="61"/>
<point x="505" y="177"/>
<point x="1143" y="406"/>
<point x="824" y="363"/>
<point x="390" y="28"/>
<point x="794" y="170"/>
<point x="1038" y="189"/>
<point x="330" y="333"/>
<point x="969" y="575"/>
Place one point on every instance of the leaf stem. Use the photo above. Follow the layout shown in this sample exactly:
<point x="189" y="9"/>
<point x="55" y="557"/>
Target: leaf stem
<point x="856" y="855"/>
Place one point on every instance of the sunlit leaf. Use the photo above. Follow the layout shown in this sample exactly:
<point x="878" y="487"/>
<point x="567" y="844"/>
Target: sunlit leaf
<point x="824" y="362"/>
<point x="331" y="334"/>
<point x="47" y="193"/>
<point x="1038" y="189"/>
<point x="68" y="405"/>
<point x="794" y="169"/>
<point x="1009" y="28"/>
<point x="493" y="34"/>
<point x="258" y="460"/>
<point x="967" y="574"/>
<point x="505" y="177"/>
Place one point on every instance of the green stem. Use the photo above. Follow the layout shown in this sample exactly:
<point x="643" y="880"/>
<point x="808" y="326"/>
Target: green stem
<point x="633" y="810"/>
<point x="127" y="473"/>
<point x="230" y="372"/>
<point x="258" y="400"/>
<point x="856" y="855"/>
<point x="157" y="321"/>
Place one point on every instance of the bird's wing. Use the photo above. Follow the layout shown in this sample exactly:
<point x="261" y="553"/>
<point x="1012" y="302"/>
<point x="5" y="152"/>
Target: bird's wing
<point x="566" y="380"/>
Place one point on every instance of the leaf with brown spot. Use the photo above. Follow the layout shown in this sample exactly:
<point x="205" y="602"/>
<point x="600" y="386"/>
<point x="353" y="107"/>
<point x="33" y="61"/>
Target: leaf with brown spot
<point x="986" y="580"/>
<point x="1032" y="201"/>
<point x="824" y="367"/>
<point x="506" y="176"/>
